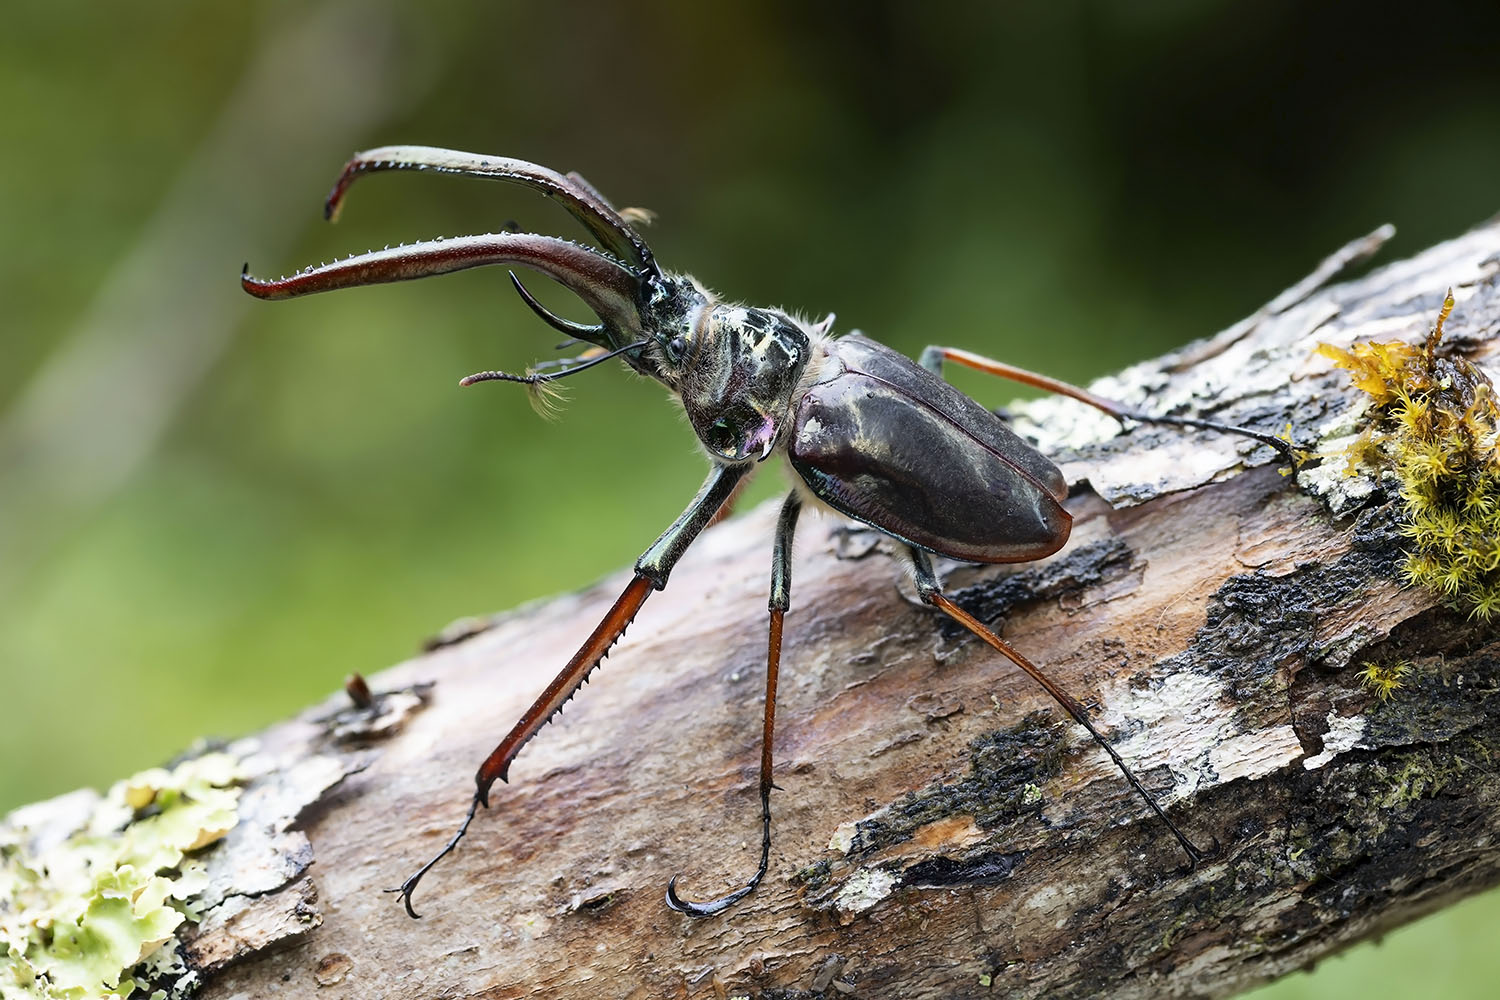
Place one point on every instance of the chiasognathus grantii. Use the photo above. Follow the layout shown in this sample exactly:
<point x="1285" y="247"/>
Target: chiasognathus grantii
<point x="863" y="431"/>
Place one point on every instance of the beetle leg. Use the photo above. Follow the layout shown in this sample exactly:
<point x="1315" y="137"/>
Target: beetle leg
<point x="727" y="511"/>
<point x="651" y="572"/>
<point x="781" y="597"/>
<point x="933" y="357"/>
<point x="931" y="592"/>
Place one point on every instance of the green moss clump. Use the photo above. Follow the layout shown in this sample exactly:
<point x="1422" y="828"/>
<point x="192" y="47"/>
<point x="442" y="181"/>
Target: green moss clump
<point x="1436" y="430"/>
<point x="1384" y="679"/>
<point x="80" y="913"/>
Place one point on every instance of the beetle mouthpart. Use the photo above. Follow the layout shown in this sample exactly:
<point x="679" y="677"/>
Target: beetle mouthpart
<point x="765" y="436"/>
<point x="574" y="193"/>
<point x="578" y="331"/>
<point x="610" y="281"/>
<point x="604" y="284"/>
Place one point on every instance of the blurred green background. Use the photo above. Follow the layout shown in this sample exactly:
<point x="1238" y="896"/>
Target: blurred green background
<point x="212" y="509"/>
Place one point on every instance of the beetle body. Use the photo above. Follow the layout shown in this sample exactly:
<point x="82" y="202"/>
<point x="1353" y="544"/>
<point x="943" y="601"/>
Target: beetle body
<point x="885" y="441"/>
<point x="865" y="431"/>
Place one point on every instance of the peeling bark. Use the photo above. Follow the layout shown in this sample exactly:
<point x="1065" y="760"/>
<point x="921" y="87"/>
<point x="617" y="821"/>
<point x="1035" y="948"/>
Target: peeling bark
<point x="941" y="829"/>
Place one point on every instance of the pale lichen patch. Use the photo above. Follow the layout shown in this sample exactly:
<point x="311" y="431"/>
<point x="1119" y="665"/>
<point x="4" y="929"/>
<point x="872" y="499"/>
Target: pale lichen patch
<point x="1337" y="478"/>
<point x="1344" y="733"/>
<point x="83" y="906"/>
<point x="1254" y="754"/>
<point x="863" y="890"/>
<point x="1176" y="722"/>
<point x="1061" y="423"/>
<point x="1180" y="722"/>
<point x="1054" y="901"/>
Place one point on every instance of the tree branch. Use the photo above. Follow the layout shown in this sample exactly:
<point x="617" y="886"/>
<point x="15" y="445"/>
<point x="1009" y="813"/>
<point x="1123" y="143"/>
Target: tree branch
<point x="941" y="829"/>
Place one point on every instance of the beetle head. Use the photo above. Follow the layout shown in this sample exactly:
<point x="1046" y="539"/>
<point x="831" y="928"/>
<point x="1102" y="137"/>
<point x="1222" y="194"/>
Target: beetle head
<point x="734" y="368"/>
<point x="737" y="373"/>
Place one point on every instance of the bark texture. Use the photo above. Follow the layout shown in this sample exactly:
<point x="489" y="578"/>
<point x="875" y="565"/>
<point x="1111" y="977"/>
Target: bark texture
<point x="941" y="829"/>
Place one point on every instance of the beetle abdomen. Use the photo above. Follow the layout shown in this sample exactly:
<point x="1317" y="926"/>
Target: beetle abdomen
<point x="887" y="442"/>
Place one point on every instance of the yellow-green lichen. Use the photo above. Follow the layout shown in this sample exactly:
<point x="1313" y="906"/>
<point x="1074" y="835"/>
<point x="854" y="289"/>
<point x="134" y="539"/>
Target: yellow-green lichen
<point x="79" y="913"/>
<point x="1435" y="429"/>
<point x="1422" y="775"/>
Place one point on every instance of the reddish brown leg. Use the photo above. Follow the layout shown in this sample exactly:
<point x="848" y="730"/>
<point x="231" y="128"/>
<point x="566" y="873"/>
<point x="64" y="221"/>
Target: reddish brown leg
<point x="497" y="765"/>
<point x="781" y="593"/>
<point x="651" y="572"/>
<point x="933" y="358"/>
<point x="563" y="686"/>
<point x="932" y="593"/>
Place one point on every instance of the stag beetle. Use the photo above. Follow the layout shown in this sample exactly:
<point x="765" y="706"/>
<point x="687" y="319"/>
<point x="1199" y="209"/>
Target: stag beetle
<point x="864" y="431"/>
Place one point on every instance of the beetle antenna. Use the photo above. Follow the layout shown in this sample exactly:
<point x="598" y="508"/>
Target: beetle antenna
<point x="546" y="399"/>
<point x="578" y="331"/>
<point x="537" y="378"/>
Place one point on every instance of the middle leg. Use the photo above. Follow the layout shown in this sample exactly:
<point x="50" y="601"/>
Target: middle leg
<point x="781" y="599"/>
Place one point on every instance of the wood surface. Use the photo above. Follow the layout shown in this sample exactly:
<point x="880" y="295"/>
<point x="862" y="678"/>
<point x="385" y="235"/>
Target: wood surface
<point x="941" y="830"/>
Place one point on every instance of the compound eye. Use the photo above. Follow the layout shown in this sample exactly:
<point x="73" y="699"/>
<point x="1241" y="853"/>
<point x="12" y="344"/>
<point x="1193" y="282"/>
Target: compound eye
<point x="677" y="347"/>
<point x="722" y="436"/>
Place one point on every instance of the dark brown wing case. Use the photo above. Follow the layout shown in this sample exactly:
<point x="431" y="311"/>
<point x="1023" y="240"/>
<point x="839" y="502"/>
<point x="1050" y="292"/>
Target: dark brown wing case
<point x="887" y="442"/>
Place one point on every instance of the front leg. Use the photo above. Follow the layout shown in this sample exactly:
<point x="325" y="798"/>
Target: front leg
<point x="651" y="572"/>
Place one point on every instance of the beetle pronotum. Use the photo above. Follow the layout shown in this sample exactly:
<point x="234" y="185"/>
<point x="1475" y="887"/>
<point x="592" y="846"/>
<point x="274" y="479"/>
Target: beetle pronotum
<point x="864" y="431"/>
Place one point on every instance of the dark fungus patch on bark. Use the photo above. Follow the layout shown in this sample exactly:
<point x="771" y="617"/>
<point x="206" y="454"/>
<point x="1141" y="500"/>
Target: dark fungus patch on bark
<point x="1007" y="768"/>
<point x="1088" y="566"/>
<point x="1259" y="627"/>
<point x="944" y="873"/>
<point x="1451" y="684"/>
